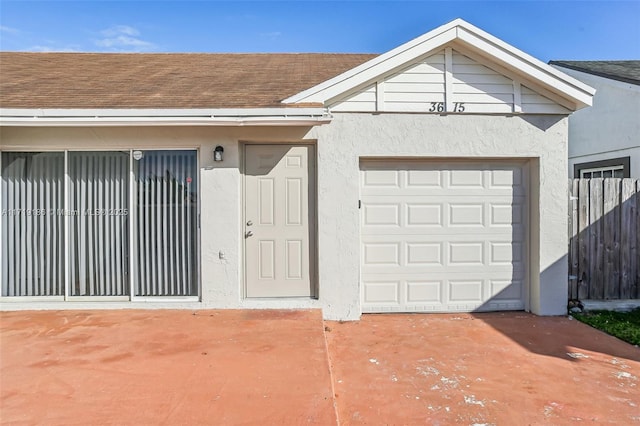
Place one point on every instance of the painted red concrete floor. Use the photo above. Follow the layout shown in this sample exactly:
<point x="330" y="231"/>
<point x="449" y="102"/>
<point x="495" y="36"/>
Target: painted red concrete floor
<point x="271" y="368"/>
<point x="497" y="368"/>
<point x="164" y="367"/>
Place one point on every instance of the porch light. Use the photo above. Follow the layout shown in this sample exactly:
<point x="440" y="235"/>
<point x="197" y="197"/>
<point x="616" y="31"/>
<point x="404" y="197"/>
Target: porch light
<point x="217" y="153"/>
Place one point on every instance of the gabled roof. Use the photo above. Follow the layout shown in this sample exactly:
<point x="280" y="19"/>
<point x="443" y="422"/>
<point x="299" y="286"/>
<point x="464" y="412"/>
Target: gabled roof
<point x="458" y="32"/>
<point x="626" y="71"/>
<point x="162" y="81"/>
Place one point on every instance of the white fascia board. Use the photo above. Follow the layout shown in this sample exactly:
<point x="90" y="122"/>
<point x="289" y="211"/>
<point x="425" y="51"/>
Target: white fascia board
<point x="373" y="68"/>
<point x="529" y="67"/>
<point x="165" y="117"/>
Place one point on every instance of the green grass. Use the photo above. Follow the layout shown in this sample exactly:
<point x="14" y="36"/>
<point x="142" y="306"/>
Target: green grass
<point x="623" y="325"/>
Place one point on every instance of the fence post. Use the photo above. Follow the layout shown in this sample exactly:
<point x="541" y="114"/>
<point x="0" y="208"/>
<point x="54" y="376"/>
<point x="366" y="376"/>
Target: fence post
<point x="611" y="238"/>
<point x="584" y="278"/>
<point x="574" y="279"/>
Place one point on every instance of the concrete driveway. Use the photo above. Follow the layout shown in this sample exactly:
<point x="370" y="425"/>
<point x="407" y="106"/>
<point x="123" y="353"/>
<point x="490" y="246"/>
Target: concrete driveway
<point x="494" y="368"/>
<point x="288" y="367"/>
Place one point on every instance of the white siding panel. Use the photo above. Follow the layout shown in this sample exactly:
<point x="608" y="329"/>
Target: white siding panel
<point x="416" y="78"/>
<point x="488" y="108"/>
<point x="481" y="79"/>
<point x="364" y="100"/>
<point x="486" y="98"/>
<point x="534" y="103"/>
<point x="473" y="87"/>
<point x="410" y="97"/>
<point x="411" y="106"/>
<point x="423" y="68"/>
<point x="482" y="88"/>
<point x="437" y="58"/>
<point x="413" y="88"/>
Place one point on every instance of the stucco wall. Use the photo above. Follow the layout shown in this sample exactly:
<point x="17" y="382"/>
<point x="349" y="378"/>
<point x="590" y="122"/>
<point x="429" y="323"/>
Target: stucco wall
<point x="608" y="129"/>
<point x="541" y="139"/>
<point x="351" y="136"/>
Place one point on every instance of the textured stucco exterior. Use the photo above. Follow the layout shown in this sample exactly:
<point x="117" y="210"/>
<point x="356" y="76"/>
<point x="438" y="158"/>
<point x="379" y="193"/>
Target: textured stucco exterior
<point x="540" y="140"/>
<point x="608" y="129"/>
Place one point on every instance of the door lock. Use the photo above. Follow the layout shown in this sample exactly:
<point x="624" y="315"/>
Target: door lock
<point x="249" y="223"/>
<point x="248" y="234"/>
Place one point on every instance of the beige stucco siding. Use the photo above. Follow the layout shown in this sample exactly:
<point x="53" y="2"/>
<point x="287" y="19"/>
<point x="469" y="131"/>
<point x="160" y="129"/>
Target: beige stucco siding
<point x="542" y="139"/>
<point x="340" y="145"/>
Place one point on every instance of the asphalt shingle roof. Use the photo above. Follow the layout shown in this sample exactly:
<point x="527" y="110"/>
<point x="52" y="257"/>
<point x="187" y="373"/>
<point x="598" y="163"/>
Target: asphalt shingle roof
<point x="627" y="71"/>
<point x="169" y="80"/>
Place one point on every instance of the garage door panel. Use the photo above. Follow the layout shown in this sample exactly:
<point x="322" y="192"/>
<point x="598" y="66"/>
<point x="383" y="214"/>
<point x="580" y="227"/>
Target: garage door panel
<point x="382" y="214"/>
<point x="506" y="253"/>
<point x="415" y="294"/>
<point x="450" y="176"/>
<point x="382" y="254"/>
<point x="424" y="214"/>
<point x="507" y="289"/>
<point x="421" y="179"/>
<point x="381" y="179"/>
<point x="382" y="292"/>
<point x="440" y="251"/>
<point x="443" y="236"/>
<point x="465" y="291"/>
<point x="507" y="177"/>
<point x="424" y="291"/>
<point x="424" y="254"/>
<point x="466" y="253"/>
<point x="466" y="212"/>
<point x="437" y="192"/>
<point x="504" y="214"/>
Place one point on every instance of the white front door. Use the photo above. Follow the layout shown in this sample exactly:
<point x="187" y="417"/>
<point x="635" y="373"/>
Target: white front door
<point x="279" y="220"/>
<point x="442" y="236"/>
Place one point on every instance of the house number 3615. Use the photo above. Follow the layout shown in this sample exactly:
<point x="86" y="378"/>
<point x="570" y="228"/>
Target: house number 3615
<point x="439" y="107"/>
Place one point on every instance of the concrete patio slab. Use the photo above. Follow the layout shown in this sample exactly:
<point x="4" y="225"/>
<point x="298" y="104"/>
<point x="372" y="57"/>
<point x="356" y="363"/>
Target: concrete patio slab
<point x="164" y="367"/>
<point x="496" y="368"/>
<point x="271" y="367"/>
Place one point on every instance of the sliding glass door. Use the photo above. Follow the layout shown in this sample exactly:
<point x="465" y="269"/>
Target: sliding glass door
<point x="99" y="224"/>
<point x="32" y="223"/>
<point x="166" y="220"/>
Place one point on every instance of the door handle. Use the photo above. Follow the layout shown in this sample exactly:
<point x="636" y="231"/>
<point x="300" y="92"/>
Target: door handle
<point x="249" y="223"/>
<point x="248" y="234"/>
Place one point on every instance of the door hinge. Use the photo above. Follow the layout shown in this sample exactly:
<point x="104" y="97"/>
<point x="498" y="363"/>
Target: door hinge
<point x="359" y="204"/>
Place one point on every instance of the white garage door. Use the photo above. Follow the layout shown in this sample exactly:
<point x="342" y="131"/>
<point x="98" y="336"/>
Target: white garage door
<point x="443" y="236"/>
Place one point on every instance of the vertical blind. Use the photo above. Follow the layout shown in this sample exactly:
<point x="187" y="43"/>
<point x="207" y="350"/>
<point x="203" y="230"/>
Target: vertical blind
<point x="32" y="224"/>
<point x="99" y="229"/>
<point x="162" y="219"/>
<point x="166" y="221"/>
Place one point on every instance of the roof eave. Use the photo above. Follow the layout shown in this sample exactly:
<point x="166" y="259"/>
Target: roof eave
<point x="165" y="117"/>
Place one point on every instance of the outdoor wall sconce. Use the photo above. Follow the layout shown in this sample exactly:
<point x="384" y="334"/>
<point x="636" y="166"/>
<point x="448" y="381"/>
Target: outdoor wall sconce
<point x="217" y="153"/>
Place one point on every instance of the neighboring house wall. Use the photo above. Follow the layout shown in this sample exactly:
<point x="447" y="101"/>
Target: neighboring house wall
<point x="610" y="128"/>
<point x="541" y="139"/>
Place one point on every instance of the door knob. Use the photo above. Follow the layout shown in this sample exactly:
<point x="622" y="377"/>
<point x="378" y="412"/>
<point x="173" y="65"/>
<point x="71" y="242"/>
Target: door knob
<point x="248" y="234"/>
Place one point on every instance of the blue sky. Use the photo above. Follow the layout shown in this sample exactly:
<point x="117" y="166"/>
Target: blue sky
<point x="579" y="30"/>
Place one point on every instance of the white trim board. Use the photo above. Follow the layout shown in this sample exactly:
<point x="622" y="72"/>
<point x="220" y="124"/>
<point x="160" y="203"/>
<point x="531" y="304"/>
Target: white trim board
<point x="165" y="117"/>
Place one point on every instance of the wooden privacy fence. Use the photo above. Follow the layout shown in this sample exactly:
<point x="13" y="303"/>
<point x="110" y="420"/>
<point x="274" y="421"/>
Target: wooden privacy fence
<point x="604" y="234"/>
